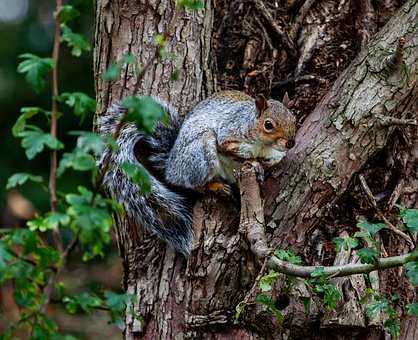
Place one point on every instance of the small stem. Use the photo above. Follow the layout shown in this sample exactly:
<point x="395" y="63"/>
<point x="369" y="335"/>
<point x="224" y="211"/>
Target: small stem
<point x="54" y="113"/>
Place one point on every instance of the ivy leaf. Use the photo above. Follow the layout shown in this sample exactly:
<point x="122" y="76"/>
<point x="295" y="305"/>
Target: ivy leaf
<point x="76" y="42"/>
<point x="5" y="256"/>
<point x="410" y="218"/>
<point x="287" y="255"/>
<point x="318" y="272"/>
<point x="190" y="4"/>
<point x="375" y="307"/>
<point x="25" y="114"/>
<point x="331" y="296"/>
<point x="35" y="69"/>
<point x="34" y="140"/>
<point x="346" y="243"/>
<point x="20" y="178"/>
<point x="267" y="281"/>
<point x="139" y="175"/>
<point x="412" y="309"/>
<point x="81" y="103"/>
<point x="145" y="112"/>
<point x="368" y="255"/>
<point x="267" y="301"/>
<point x="412" y="272"/>
<point x="393" y="326"/>
<point x="371" y="228"/>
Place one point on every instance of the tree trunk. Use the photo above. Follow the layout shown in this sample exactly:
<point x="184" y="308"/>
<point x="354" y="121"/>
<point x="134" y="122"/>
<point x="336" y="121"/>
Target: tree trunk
<point x="314" y="195"/>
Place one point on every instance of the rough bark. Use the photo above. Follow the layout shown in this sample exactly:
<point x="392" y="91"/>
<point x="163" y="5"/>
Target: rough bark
<point x="306" y="195"/>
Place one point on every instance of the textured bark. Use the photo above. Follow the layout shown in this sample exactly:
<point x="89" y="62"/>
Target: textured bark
<point x="309" y="197"/>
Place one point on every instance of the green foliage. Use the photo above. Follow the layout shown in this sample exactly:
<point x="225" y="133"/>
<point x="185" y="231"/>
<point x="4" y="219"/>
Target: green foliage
<point x="21" y="178"/>
<point x="412" y="272"/>
<point x="76" y="42"/>
<point x="34" y="140"/>
<point x="371" y="228"/>
<point x="368" y="255"/>
<point x="345" y="243"/>
<point x="326" y="290"/>
<point x="410" y="218"/>
<point x="81" y="103"/>
<point x="412" y="309"/>
<point x="380" y="304"/>
<point x="269" y="304"/>
<point x="190" y="4"/>
<point x="25" y="114"/>
<point x="268" y="280"/>
<point x="114" y="69"/>
<point x="145" y="112"/>
<point x="35" y="68"/>
<point x="139" y="175"/>
<point x="287" y="255"/>
<point x="68" y="13"/>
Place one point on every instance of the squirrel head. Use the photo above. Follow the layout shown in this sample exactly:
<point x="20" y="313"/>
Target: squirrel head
<point x="276" y="125"/>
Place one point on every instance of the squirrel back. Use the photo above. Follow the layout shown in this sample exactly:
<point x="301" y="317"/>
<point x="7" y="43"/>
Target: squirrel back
<point x="165" y="211"/>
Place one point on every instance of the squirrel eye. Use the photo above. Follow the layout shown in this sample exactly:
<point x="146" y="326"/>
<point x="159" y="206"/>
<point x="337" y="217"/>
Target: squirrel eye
<point x="268" y="125"/>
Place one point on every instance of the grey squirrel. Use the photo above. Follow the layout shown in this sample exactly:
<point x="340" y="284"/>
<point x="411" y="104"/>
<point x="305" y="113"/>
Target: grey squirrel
<point x="199" y="154"/>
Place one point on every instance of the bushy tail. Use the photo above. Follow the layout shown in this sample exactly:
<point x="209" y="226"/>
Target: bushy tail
<point x="163" y="211"/>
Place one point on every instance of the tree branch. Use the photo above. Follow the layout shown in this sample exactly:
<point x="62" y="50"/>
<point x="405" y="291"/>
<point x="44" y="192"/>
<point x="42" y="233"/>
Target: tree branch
<point x="341" y="270"/>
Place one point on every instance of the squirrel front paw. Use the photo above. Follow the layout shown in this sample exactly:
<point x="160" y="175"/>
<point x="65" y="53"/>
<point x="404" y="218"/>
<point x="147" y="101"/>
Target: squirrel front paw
<point x="220" y="188"/>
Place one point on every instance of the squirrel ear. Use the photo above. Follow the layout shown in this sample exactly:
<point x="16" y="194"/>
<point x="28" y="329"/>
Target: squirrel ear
<point x="260" y="104"/>
<point x="286" y="100"/>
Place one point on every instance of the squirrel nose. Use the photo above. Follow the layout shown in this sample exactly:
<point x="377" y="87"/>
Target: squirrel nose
<point x="290" y="143"/>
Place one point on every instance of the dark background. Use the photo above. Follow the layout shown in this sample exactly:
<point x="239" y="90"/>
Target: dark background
<point x="27" y="26"/>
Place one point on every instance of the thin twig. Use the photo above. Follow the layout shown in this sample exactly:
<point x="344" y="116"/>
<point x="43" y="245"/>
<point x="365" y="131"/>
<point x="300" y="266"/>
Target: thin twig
<point x="276" y="28"/>
<point x="340" y="270"/>
<point x="390" y="226"/>
<point x="389" y="121"/>
<point x="54" y="113"/>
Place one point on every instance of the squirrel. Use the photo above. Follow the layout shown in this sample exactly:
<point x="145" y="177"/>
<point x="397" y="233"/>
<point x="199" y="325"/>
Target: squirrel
<point x="196" y="155"/>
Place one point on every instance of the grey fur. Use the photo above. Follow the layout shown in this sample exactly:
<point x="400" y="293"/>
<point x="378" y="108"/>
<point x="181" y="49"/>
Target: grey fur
<point x="194" y="159"/>
<point x="162" y="212"/>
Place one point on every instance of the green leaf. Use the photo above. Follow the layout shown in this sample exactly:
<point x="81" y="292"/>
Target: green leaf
<point x="393" y="327"/>
<point x="331" y="296"/>
<point x="287" y="255"/>
<point x="371" y="228"/>
<point x="68" y="13"/>
<point x="412" y="309"/>
<point x="51" y="221"/>
<point x="410" y="218"/>
<point x="93" y="223"/>
<point x="117" y="304"/>
<point x="76" y="42"/>
<point x="81" y="103"/>
<point x="5" y="256"/>
<point x="112" y="72"/>
<point x="139" y="175"/>
<point x="35" y="69"/>
<point x="346" y="243"/>
<point x="375" y="307"/>
<point x="190" y="4"/>
<point x="318" y="272"/>
<point x="412" y="272"/>
<point x="266" y="301"/>
<point x="77" y="160"/>
<point x="34" y="140"/>
<point x="90" y="142"/>
<point x="268" y="280"/>
<point x="368" y="255"/>
<point x="145" y="112"/>
<point x="25" y="114"/>
<point x="21" y="178"/>
<point x="239" y="309"/>
<point x="83" y="302"/>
